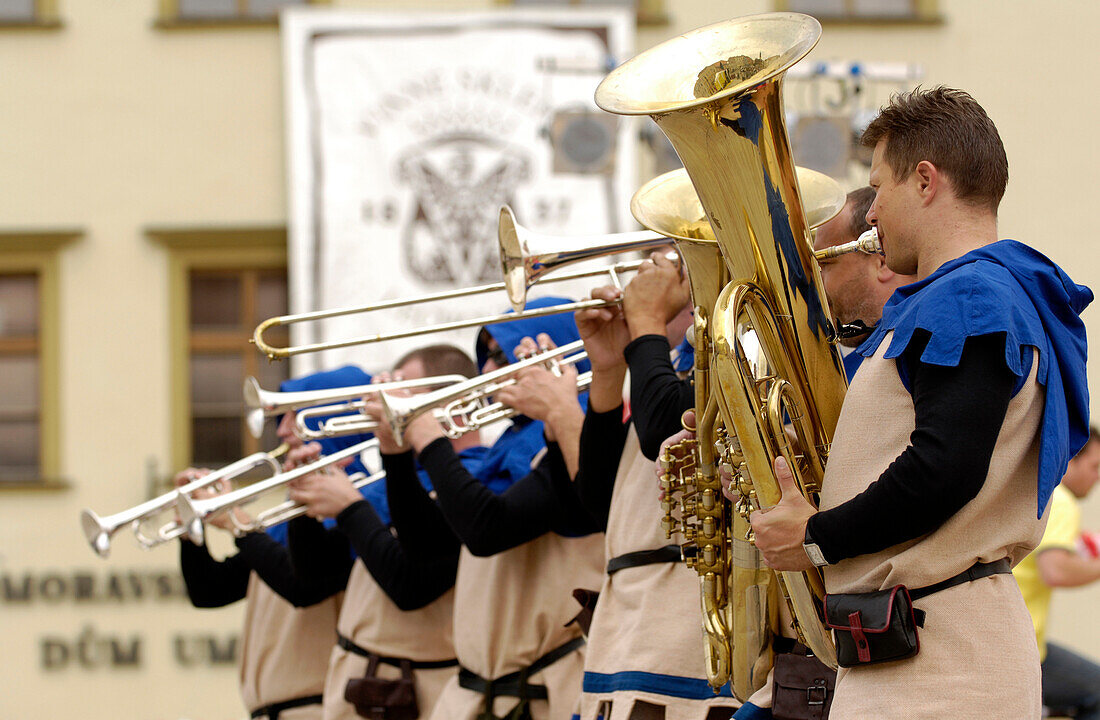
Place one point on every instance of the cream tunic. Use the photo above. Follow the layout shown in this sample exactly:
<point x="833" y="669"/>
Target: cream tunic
<point x="648" y="617"/>
<point x="284" y="649"/>
<point x="512" y="608"/>
<point x="371" y="620"/>
<point x="977" y="656"/>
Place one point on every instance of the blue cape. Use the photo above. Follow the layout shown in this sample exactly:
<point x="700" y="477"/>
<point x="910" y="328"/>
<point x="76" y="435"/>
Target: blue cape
<point x="509" y="459"/>
<point x="1006" y="287"/>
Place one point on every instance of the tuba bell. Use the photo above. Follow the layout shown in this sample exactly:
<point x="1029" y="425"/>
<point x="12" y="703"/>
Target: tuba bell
<point x="763" y="339"/>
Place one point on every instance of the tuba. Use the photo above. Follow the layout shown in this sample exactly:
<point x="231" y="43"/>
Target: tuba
<point x="764" y="338"/>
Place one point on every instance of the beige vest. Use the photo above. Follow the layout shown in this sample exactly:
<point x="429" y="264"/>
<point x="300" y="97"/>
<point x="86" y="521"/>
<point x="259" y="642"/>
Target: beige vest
<point x="372" y="621"/>
<point x="978" y="635"/>
<point x="648" y="617"/>
<point x="284" y="649"/>
<point x="512" y="608"/>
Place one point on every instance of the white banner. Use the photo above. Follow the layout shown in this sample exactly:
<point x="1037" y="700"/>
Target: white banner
<point x="406" y="133"/>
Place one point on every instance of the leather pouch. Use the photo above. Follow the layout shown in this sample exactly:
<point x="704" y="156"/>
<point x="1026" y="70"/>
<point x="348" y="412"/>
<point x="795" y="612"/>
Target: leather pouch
<point x="873" y="627"/>
<point x="802" y="687"/>
<point x="384" y="699"/>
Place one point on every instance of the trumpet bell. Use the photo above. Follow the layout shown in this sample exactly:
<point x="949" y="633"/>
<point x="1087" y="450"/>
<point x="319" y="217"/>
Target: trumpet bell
<point x="97" y="532"/>
<point x="253" y="400"/>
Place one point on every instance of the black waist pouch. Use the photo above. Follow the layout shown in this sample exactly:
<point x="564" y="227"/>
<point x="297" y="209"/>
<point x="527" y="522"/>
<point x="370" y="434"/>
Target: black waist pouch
<point x="382" y="699"/>
<point x="873" y="627"/>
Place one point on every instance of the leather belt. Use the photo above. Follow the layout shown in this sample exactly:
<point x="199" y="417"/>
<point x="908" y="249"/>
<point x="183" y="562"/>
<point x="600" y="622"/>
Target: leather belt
<point x="347" y="644"/>
<point x="271" y="712"/>
<point x="515" y="684"/>
<point x="977" y="571"/>
<point x="666" y="554"/>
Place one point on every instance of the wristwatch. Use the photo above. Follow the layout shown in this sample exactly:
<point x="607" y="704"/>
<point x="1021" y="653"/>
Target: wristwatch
<point x="813" y="551"/>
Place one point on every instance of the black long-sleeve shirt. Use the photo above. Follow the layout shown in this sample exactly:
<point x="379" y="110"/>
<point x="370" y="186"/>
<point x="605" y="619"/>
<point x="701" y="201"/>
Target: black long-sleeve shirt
<point x="959" y="412"/>
<point x="658" y="397"/>
<point x="214" y="583"/>
<point x="542" y="501"/>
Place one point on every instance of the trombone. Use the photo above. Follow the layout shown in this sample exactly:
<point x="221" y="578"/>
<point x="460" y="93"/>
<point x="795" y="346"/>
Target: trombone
<point x="466" y="406"/>
<point x="196" y="511"/>
<point x="262" y="404"/>
<point x="99" y="530"/>
<point x="279" y="353"/>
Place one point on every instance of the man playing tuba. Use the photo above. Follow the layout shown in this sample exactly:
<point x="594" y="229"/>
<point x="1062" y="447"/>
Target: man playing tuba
<point x="960" y="422"/>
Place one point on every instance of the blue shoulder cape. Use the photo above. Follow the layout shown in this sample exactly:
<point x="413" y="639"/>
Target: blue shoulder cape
<point x="1006" y="287"/>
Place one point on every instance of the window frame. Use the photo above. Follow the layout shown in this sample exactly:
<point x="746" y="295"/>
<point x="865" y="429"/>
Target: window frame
<point x="38" y="252"/>
<point x="169" y="18"/>
<point x="259" y="248"/>
<point x="45" y="18"/>
<point x="925" y="12"/>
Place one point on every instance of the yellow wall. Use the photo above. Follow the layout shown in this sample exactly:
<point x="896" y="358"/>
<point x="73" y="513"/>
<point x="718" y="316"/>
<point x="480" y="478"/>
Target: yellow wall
<point x="113" y="126"/>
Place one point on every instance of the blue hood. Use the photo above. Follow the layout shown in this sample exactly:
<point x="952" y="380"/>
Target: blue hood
<point x="1011" y="288"/>
<point x="561" y="328"/>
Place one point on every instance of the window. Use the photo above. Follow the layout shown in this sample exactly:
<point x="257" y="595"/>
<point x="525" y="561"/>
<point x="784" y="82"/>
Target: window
<point x="28" y="13"/>
<point x="221" y="12"/>
<point x="223" y="284"/>
<point x="647" y="12"/>
<point x="870" y="11"/>
<point x="29" y="394"/>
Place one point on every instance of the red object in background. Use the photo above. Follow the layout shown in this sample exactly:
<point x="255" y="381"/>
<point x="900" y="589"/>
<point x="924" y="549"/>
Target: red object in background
<point x="1088" y="544"/>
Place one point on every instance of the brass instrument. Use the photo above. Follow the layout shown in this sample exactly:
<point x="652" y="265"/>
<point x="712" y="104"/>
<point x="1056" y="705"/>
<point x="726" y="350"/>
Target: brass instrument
<point x="468" y="406"/>
<point x="526" y="256"/>
<point x="100" y="530"/>
<point x="261" y="404"/>
<point x="278" y="353"/>
<point x="196" y="511"/>
<point x="716" y="93"/>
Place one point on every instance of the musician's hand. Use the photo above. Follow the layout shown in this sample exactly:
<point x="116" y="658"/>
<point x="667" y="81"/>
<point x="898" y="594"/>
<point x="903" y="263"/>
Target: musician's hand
<point x="419" y="433"/>
<point x="655" y="296"/>
<point x="302" y="455"/>
<point x="541" y="393"/>
<point x="188" y="476"/>
<point x="325" y="493"/>
<point x="604" y="331"/>
<point x="780" y="530"/>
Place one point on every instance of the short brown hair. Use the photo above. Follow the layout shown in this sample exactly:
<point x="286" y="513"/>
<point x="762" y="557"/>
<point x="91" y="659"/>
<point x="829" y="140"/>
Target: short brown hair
<point x="859" y="201"/>
<point x="440" y="360"/>
<point x="949" y="129"/>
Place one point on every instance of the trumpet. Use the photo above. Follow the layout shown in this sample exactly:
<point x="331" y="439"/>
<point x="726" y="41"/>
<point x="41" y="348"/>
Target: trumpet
<point x="100" y="530"/>
<point x="196" y="511"/>
<point x="288" y="510"/>
<point x="262" y="404"/>
<point x="466" y="406"/>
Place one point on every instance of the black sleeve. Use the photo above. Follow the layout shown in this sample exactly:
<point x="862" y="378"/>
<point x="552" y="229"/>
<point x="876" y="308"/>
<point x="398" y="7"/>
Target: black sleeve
<point x="421" y="527"/>
<point x="959" y="413"/>
<point x="658" y="397"/>
<point x="314" y="566"/>
<point x="409" y="581"/>
<point x="212" y="583"/>
<point x="541" y="502"/>
<point x="603" y="437"/>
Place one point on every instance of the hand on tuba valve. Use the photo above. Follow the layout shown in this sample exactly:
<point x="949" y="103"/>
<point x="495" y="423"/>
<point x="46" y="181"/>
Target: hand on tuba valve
<point x="780" y="530"/>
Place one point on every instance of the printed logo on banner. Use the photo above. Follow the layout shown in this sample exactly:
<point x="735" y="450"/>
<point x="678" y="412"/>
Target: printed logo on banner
<point x="459" y="183"/>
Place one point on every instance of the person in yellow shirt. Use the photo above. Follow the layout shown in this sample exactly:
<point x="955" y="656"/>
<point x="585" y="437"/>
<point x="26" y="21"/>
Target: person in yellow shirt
<point x="1071" y="683"/>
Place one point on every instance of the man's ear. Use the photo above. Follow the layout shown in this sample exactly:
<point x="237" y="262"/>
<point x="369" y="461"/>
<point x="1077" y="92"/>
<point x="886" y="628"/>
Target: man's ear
<point x="928" y="180"/>
<point x="883" y="274"/>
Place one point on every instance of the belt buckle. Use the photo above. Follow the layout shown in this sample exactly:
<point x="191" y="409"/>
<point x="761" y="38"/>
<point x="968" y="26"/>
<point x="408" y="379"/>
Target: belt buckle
<point x="819" y="685"/>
